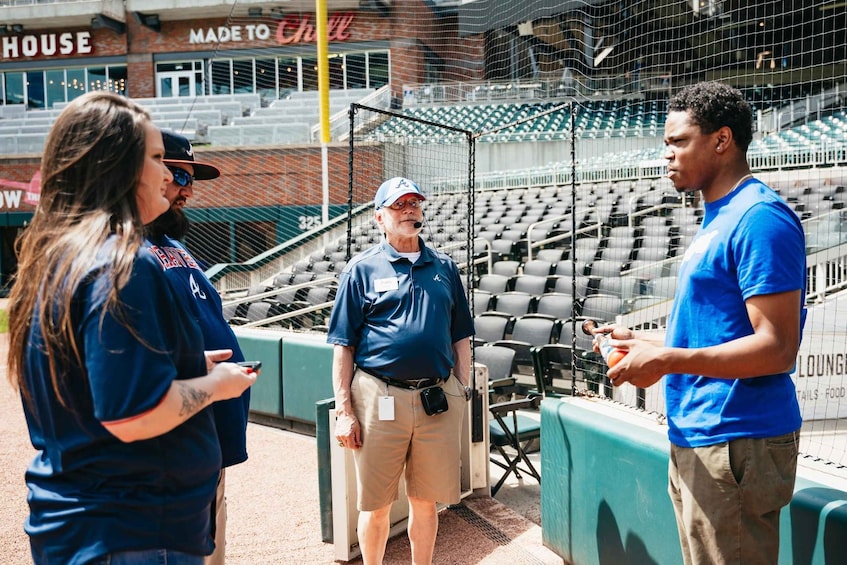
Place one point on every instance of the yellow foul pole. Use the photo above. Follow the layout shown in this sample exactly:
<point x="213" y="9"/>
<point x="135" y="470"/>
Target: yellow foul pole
<point x="323" y="91"/>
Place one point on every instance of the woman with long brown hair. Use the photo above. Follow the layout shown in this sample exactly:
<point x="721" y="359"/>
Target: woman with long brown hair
<point x="114" y="380"/>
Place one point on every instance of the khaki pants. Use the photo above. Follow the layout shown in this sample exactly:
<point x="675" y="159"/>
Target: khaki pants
<point x="219" y="556"/>
<point x="727" y="498"/>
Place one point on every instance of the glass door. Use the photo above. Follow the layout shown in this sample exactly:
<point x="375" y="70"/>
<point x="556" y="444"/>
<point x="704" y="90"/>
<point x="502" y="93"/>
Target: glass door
<point x="175" y="84"/>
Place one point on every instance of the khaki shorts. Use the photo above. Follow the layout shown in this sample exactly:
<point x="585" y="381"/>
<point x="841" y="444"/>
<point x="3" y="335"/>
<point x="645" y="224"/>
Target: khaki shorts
<point x="429" y="447"/>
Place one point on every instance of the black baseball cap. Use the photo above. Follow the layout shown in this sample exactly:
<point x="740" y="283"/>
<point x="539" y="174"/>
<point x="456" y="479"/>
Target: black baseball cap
<point x="178" y="150"/>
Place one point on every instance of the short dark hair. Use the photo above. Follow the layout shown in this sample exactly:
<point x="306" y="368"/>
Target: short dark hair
<point x="713" y="105"/>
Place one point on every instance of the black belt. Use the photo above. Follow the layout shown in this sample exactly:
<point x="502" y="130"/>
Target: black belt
<point x="408" y="385"/>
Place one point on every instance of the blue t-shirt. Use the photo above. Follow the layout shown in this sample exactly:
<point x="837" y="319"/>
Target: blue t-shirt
<point x="197" y="294"/>
<point x="401" y="318"/>
<point x="90" y="493"/>
<point x="750" y="244"/>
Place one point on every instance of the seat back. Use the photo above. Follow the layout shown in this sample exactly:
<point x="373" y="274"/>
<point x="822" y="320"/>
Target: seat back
<point x="538" y="267"/>
<point x="481" y="300"/>
<point x="602" y="307"/>
<point x="493" y="283"/>
<point x="515" y="303"/>
<point x="533" y="284"/>
<point x="557" y="304"/>
<point x="499" y="361"/>
<point x="490" y="328"/>
<point x="534" y="329"/>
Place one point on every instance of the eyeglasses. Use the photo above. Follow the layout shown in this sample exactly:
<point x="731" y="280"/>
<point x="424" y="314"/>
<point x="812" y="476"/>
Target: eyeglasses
<point x="411" y="203"/>
<point x="181" y="177"/>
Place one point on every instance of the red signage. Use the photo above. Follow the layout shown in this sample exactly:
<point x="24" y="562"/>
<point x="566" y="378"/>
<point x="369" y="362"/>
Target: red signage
<point x="299" y="29"/>
<point x="31" y="191"/>
<point x="46" y="45"/>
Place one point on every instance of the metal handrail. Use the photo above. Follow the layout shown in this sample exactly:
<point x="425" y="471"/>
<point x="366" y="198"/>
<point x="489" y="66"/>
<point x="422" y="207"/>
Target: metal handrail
<point x="529" y="244"/>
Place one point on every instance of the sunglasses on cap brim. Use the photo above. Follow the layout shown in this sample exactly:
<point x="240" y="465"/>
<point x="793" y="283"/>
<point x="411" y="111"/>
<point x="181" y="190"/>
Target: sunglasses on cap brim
<point x="182" y="177"/>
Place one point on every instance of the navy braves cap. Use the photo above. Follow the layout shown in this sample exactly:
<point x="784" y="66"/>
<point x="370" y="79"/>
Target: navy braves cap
<point x="178" y="150"/>
<point x="392" y="189"/>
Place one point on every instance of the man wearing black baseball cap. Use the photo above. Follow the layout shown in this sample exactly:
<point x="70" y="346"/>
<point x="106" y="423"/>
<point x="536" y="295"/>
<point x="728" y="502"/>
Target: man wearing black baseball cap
<point x="196" y="292"/>
<point x="179" y="157"/>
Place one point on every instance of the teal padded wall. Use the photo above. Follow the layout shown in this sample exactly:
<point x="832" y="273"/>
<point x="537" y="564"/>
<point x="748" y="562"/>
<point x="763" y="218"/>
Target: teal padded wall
<point x="306" y="375"/>
<point x="813" y="528"/>
<point x="264" y="346"/>
<point x="604" y="489"/>
<point x="604" y="494"/>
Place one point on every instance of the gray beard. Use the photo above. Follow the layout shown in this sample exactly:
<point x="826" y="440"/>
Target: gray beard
<point x="173" y="223"/>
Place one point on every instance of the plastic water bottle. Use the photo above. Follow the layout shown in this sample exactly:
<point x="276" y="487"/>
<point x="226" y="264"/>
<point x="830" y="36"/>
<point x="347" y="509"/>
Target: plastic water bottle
<point x="611" y="355"/>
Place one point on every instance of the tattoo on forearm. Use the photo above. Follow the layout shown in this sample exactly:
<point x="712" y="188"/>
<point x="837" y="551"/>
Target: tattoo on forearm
<point x="192" y="399"/>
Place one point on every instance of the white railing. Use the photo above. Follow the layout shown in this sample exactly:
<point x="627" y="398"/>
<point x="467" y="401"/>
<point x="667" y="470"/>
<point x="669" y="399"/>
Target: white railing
<point x="339" y="123"/>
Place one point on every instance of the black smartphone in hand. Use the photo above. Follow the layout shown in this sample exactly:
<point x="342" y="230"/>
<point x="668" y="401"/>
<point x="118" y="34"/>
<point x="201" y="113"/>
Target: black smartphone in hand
<point x="252" y="366"/>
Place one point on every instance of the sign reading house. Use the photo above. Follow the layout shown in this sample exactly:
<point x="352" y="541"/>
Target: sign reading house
<point x="46" y="45"/>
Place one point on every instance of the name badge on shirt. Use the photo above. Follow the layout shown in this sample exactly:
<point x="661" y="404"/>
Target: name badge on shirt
<point x="383" y="285"/>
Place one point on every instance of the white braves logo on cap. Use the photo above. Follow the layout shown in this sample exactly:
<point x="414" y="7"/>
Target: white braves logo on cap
<point x="397" y="187"/>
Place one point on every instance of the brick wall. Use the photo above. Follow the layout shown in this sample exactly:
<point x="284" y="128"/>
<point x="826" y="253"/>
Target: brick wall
<point x="250" y="177"/>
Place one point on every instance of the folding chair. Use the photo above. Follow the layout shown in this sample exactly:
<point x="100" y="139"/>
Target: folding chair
<point x="509" y="429"/>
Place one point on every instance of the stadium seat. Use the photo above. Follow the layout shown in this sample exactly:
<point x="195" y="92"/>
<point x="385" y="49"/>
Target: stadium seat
<point x="500" y="364"/>
<point x="489" y="328"/>
<point x="527" y="332"/>
<point x="532" y="284"/>
<point x="493" y="283"/>
<point x="482" y="300"/>
<point x="601" y="306"/>
<point x="553" y="361"/>
<point x="514" y="303"/>
<point x="556" y="304"/>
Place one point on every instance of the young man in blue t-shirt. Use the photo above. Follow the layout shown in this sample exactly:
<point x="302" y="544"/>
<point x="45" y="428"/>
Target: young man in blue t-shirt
<point x="200" y="297"/>
<point x="731" y="340"/>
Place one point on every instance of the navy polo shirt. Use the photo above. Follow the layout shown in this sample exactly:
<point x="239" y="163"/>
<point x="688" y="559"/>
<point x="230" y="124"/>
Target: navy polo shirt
<point x="401" y="318"/>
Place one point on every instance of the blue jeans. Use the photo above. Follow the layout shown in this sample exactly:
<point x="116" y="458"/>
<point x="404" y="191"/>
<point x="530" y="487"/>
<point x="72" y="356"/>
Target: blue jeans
<point x="149" y="557"/>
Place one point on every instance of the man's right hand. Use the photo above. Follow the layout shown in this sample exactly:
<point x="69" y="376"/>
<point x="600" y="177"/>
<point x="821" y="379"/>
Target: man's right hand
<point x="347" y="431"/>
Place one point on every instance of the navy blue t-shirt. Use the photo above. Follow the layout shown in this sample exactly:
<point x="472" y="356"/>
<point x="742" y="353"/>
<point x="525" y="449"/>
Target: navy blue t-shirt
<point x="200" y="298"/>
<point x="90" y="493"/>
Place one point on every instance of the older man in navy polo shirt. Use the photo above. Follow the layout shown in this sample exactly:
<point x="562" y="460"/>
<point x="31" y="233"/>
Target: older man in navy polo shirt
<point x="401" y="328"/>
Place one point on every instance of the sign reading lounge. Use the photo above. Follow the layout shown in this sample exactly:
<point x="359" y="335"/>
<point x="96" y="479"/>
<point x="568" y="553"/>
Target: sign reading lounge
<point x="294" y="28"/>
